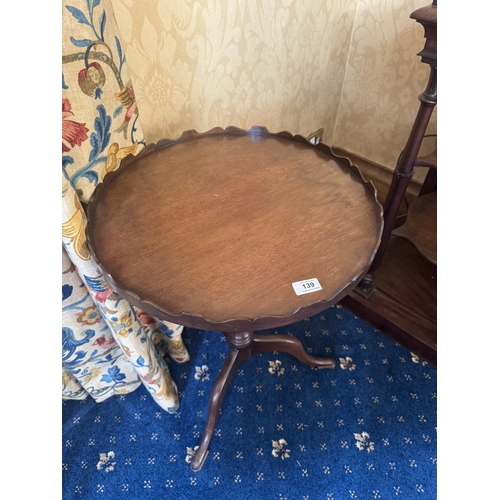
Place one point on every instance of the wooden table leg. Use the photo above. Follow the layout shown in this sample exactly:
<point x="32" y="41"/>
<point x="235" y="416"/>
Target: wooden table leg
<point x="290" y="345"/>
<point x="221" y="384"/>
<point x="242" y="345"/>
<point x="240" y="351"/>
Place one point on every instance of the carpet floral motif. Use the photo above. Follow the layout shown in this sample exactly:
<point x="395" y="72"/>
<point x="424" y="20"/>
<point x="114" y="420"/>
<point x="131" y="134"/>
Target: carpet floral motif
<point x="280" y="450"/>
<point x="275" y="367"/>
<point x="202" y="373"/>
<point x="105" y="461"/>
<point x="363" y="442"/>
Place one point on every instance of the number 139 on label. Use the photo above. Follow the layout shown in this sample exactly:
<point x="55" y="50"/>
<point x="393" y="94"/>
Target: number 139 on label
<point x="306" y="286"/>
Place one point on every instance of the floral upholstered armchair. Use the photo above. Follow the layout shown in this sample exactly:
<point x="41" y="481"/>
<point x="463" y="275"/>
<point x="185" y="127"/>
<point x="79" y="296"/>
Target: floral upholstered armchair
<point x="108" y="346"/>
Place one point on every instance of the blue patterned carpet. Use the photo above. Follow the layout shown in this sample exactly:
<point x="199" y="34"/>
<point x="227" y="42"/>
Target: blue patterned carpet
<point x="363" y="430"/>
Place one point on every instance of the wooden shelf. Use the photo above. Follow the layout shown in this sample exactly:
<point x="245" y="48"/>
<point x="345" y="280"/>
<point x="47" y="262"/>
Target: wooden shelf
<point x="420" y="227"/>
<point x="403" y="303"/>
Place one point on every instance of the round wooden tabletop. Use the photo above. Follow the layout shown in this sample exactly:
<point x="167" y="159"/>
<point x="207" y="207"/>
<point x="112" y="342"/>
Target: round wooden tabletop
<point x="212" y="230"/>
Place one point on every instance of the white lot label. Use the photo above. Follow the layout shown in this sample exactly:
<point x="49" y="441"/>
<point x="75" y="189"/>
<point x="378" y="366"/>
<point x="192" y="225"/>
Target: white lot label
<point x="306" y="286"/>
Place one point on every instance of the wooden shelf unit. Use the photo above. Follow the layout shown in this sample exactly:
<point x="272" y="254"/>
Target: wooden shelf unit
<point x="399" y="293"/>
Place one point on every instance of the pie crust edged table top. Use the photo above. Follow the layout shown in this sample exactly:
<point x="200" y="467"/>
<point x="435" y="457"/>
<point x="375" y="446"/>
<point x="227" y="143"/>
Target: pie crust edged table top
<point x="210" y="230"/>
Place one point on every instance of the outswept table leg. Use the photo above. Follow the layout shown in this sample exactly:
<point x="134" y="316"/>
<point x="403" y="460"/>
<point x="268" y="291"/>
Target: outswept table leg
<point x="239" y="352"/>
<point x="242" y="346"/>
<point x="290" y="345"/>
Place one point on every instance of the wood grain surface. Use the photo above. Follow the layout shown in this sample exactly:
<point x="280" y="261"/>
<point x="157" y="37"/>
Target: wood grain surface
<point x="217" y="228"/>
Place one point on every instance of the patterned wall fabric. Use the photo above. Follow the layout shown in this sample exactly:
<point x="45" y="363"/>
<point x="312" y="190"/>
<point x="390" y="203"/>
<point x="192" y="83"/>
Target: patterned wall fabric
<point x="349" y="66"/>
<point x="109" y="347"/>
<point x="383" y="79"/>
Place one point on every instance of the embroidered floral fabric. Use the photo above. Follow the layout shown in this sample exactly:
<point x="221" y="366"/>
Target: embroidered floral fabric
<point x="109" y="347"/>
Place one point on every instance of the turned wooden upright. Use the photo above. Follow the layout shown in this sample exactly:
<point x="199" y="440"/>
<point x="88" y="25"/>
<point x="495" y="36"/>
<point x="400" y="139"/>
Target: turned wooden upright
<point x="403" y="173"/>
<point x="211" y="230"/>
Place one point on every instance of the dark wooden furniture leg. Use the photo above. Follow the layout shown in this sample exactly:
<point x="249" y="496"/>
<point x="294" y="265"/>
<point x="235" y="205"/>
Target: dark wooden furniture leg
<point x="221" y="384"/>
<point x="290" y="345"/>
<point x="242" y="346"/>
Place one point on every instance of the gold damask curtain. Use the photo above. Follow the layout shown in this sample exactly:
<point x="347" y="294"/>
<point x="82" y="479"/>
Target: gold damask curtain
<point x="349" y="66"/>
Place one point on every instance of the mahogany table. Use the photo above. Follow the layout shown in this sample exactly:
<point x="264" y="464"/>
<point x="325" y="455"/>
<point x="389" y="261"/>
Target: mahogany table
<point x="235" y="231"/>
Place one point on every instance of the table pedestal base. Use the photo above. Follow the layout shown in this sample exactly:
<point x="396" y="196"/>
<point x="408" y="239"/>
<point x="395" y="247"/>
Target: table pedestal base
<point x="242" y="346"/>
